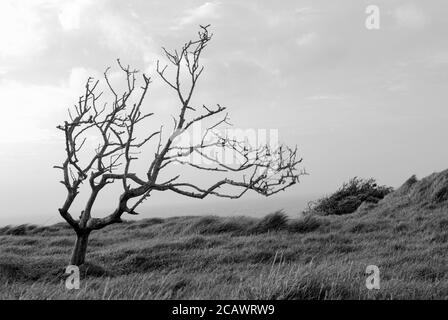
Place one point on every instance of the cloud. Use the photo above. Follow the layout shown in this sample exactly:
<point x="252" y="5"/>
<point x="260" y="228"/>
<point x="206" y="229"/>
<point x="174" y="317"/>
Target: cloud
<point x="30" y="110"/>
<point x="305" y="12"/>
<point x="25" y="106"/>
<point x="438" y="59"/>
<point x="124" y="36"/>
<point x="21" y="29"/>
<point x="398" y="87"/>
<point x="306" y="39"/>
<point x="70" y="14"/>
<point x="323" y="97"/>
<point x="201" y="14"/>
<point x="78" y="77"/>
<point x="410" y="16"/>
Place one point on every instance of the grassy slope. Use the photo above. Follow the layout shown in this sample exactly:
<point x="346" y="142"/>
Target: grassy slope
<point x="232" y="258"/>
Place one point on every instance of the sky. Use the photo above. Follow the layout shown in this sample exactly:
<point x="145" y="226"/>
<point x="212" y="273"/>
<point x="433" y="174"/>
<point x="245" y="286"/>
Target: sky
<point x="357" y="102"/>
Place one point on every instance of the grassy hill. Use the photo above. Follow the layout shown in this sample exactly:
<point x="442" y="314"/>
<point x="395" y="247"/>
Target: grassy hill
<point x="316" y="257"/>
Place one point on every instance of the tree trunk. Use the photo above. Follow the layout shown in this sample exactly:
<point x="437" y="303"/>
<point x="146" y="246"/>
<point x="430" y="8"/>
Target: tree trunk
<point x="80" y="249"/>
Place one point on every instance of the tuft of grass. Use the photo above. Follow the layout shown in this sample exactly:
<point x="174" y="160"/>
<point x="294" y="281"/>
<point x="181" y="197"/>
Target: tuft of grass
<point x="20" y="230"/>
<point x="272" y="222"/>
<point x="216" y="225"/>
<point x="308" y="223"/>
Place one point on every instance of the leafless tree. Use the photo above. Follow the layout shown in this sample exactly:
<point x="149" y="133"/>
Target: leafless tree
<point x="116" y="123"/>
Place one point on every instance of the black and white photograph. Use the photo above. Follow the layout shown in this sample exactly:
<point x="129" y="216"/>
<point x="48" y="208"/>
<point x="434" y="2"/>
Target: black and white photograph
<point x="223" y="150"/>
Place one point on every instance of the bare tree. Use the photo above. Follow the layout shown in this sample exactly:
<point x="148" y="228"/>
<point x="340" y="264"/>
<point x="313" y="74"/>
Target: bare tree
<point x="116" y="125"/>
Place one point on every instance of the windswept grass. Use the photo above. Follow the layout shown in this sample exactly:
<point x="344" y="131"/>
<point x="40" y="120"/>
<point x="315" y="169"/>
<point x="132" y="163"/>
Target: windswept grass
<point x="276" y="257"/>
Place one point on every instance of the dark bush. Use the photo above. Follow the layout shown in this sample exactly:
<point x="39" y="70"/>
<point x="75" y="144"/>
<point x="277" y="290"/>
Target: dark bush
<point x="350" y="196"/>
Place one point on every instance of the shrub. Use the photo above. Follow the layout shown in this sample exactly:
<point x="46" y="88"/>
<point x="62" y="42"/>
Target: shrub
<point x="350" y="196"/>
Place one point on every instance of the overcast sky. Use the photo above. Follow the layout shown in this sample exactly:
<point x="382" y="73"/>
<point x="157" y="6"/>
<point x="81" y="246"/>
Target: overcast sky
<point x="357" y="102"/>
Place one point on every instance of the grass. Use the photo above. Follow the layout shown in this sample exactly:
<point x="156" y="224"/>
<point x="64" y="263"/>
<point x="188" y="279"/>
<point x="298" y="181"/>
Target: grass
<point x="276" y="257"/>
<point x="209" y="257"/>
